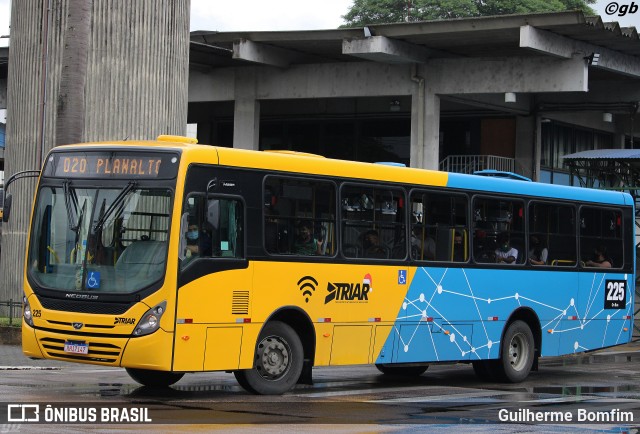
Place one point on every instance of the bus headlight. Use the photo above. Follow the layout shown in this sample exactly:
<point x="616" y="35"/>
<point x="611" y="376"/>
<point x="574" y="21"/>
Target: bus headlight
<point x="150" y="321"/>
<point x="26" y="311"/>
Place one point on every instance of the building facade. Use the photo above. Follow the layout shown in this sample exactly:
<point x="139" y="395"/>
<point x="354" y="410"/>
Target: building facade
<point x="513" y="92"/>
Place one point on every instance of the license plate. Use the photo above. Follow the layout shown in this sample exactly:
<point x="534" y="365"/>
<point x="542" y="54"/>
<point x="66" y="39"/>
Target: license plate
<point x="76" y="347"/>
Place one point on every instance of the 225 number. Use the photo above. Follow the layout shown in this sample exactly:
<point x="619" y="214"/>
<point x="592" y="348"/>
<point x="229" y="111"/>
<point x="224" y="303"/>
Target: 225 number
<point x="616" y="294"/>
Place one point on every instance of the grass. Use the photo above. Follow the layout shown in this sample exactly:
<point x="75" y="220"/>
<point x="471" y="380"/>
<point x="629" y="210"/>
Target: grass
<point x="15" y="322"/>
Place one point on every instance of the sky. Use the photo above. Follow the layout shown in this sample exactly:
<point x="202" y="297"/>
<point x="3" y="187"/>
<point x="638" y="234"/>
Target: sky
<point x="224" y="16"/>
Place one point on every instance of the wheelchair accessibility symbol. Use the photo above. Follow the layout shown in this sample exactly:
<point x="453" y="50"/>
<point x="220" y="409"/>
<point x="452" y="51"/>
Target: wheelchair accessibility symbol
<point x="402" y="277"/>
<point x="93" y="280"/>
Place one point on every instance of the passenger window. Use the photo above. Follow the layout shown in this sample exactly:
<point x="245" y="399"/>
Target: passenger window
<point x="498" y="231"/>
<point x="373" y="222"/>
<point x="299" y="217"/>
<point x="439" y="228"/>
<point x="601" y="237"/>
<point x="212" y="227"/>
<point x="552" y="234"/>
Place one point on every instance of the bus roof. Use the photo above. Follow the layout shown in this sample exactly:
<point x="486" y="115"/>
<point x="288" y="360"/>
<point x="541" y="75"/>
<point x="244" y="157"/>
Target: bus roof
<point x="371" y="171"/>
<point x="295" y="162"/>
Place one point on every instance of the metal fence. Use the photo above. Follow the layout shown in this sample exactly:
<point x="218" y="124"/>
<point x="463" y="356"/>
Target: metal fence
<point x="473" y="163"/>
<point x="12" y="310"/>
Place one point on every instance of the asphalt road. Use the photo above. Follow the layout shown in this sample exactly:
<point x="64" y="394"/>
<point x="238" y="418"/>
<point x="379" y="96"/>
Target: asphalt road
<point x="596" y="392"/>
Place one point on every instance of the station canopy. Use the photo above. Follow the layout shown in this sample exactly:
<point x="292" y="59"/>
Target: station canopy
<point x="614" y="169"/>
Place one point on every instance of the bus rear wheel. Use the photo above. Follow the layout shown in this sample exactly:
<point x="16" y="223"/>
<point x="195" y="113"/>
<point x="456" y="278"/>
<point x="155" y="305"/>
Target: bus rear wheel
<point x="278" y="361"/>
<point x="517" y="355"/>
<point x="150" y="378"/>
<point x="402" y="371"/>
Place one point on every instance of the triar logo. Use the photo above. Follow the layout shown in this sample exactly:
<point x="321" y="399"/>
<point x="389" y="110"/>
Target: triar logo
<point x="349" y="292"/>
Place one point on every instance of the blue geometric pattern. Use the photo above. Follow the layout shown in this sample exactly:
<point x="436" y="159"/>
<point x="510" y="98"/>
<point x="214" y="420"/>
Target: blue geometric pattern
<point x="459" y="314"/>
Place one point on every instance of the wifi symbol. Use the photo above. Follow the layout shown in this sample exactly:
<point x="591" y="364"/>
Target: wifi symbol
<point x="307" y="285"/>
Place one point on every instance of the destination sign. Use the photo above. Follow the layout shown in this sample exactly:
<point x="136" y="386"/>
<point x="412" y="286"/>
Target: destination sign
<point x="112" y="165"/>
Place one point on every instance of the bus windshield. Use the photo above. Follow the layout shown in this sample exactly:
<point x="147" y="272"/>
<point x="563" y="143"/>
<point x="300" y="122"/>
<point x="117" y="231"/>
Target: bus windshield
<point x="99" y="239"/>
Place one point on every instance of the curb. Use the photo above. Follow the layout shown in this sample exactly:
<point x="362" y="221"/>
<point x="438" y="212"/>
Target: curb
<point x="10" y="335"/>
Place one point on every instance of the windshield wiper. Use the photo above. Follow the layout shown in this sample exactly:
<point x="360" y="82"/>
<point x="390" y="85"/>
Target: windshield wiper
<point x="103" y="218"/>
<point x="70" y="199"/>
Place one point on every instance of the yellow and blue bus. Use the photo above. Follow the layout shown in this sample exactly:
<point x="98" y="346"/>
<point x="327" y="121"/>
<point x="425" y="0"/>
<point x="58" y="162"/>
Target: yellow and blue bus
<point x="167" y="257"/>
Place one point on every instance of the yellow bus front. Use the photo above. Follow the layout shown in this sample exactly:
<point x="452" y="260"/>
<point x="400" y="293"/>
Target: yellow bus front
<point x="99" y="266"/>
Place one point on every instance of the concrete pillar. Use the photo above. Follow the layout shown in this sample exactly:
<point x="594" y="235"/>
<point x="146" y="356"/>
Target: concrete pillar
<point x="431" y="148"/>
<point x="425" y="123"/>
<point x="526" y="152"/>
<point x="535" y="176"/>
<point x="136" y="88"/>
<point x="246" y="114"/>
<point x="3" y="94"/>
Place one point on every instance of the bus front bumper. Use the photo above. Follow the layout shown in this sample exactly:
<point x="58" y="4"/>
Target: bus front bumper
<point x="145" y="352"/>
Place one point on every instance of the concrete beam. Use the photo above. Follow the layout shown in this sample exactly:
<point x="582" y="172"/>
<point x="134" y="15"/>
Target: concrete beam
<point x="519" y="74"/>
<point x="384" y="50"/>
<point x="364" y="79"/>
<point x="250" y="51"/>
<point x="546" y="42"/>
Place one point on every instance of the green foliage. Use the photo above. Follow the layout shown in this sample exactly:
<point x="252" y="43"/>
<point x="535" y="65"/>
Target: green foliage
<point x="365" y="12"/>
<point x="15" y="322"/>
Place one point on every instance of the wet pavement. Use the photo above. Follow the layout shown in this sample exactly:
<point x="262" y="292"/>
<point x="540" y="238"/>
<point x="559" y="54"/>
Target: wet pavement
<point x="447" y="398"/>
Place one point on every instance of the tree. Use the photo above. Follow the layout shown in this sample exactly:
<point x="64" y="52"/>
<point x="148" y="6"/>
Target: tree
<point x="364" y="12"/>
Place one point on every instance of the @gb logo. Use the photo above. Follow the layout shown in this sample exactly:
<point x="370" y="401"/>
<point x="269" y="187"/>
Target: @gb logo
<point x="621" y="9"/>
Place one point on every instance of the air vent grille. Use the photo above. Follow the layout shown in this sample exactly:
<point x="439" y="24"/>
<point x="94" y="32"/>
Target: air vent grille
<point x="240" y="303"/>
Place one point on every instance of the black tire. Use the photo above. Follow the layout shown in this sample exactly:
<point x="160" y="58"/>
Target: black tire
<point x="402" y="371"/>
<point x="278" y="361"/>
<point x="150" y="378"/>
<point x="517" y="353"/>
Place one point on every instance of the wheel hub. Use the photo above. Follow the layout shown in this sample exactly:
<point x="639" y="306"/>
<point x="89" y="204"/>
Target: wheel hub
<point x="273" y="358"/>
<point x="518" y="352"/>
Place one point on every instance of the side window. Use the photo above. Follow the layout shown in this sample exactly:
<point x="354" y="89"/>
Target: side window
<point x="552" y="234"/>
<point x="212" y="226"/>
<point x="299" y="217"/>
<point x="373" y="223"/>
<point x="601" y="237"/>
<point x="439" y="227"/>
<point x="498" y="231"/>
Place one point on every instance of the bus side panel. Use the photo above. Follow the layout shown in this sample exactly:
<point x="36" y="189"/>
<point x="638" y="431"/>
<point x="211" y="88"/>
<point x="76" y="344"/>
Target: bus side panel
<point x="460" y="314"/>
<point x="351" y="307"/>
<point x="606" y="308"/>
<point x="215" y="323"/>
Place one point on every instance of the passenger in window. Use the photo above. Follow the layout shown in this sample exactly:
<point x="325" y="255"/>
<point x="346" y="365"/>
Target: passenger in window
<point x="537" y="252"/>
<point x="306" y="243"/>
<point x="458" y="248"/>
<point x="505" y="254"/>
<point x="198" y="241"/>
<point x="422" y="248"/>
<point x="371" y="245"/>
<point x="600" y="258"/>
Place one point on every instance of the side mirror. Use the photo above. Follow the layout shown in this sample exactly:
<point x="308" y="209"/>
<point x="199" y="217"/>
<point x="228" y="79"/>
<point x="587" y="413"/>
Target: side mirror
<point x="6" y="210"/>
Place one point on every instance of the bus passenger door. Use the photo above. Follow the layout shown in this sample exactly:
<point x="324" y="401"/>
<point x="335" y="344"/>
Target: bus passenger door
<point x="214" y="285"/>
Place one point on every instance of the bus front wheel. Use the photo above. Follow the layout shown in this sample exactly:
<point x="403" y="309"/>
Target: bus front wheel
<point x="278" y="361"/>
<point x="517" y="355"/>
<point x="150" y="378"/>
